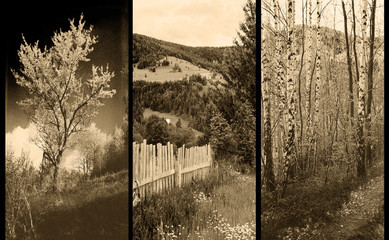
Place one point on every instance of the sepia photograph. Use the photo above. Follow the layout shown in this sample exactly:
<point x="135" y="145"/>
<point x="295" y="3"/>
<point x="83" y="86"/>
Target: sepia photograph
<point x="322" y="119"/>
<point x="194" y="119"/>
<point x="66" y="120"/>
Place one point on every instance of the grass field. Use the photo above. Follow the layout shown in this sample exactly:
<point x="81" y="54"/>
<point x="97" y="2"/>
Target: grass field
<point x="97" y="209"/>
<point x="221" y="206"/>
<point x="165" y="73"/>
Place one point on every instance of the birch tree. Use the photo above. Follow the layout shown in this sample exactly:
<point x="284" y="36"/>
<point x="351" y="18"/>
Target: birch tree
<point x="308" y="80"/>
<point x="290" y="88"/>
<point x="370" y="83"/>
<point x="281" y="88"/>
<point x="361" y="165"/>
<point x="317" y="84"/>
<point x="60" y="102"/>
<point x="268" y="155"/>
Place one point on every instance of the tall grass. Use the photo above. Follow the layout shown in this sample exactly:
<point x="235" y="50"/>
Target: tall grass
<point x="222" y="206"/>
<point x="95" y="209"/>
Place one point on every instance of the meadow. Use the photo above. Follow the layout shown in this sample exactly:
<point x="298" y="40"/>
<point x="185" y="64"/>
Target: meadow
<point x="166" y="73"/>
<point x="94" y="209"/>
<point x="222" y="206"/>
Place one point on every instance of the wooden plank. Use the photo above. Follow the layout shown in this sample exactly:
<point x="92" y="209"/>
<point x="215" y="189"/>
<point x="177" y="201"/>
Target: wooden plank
<point x="167" y="167"/>
<point x="154" y="165"/>
<point x="159" y="166"/>
<point x="173" y="159"/>
<point x="143" y="170"/>
<point x="164" y="166"/>
<point x="148" y="180"/>
<point x="193" y="168"/>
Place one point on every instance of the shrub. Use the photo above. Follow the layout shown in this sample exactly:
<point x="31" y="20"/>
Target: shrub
<point x="165" y="63"/>
<point x="20" y="182"/>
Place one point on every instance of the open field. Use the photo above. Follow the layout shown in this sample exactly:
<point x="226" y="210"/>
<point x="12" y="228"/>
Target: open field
<point x="165" y="73"/>
<point x="96" y="209"/>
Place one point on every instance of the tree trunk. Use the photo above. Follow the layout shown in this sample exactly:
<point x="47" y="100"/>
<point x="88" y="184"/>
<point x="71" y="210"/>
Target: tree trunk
<point x="55" y="175"/>
<point x="290" y="88"/>
<point x="280" y="82"/>
<point x="308" y="83"/>
<point x="361" y="165"/>
<point x="355" y="45"/>
<point x="368" y="153"/>
<point x="351" y="95"/>
<point x="318" y="83"/>
<point x="269" y="171"/>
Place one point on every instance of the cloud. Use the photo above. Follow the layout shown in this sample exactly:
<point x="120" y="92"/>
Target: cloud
<point x="19" y="139"/>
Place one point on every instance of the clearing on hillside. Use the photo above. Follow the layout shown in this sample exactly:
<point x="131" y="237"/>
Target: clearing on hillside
<point x="166" y="73"/>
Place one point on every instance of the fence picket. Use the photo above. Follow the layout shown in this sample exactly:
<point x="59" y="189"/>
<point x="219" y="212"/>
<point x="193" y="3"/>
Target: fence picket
<point x="158" y="168"/>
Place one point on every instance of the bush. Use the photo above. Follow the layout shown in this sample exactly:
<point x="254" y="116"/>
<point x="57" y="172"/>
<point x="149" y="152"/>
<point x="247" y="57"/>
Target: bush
<point x="156" y="130"/>
<point x="165" y="63"/>
<point x="198" y="78"/>
<point x="177" y="68"/>
<point x="20" y="182"/>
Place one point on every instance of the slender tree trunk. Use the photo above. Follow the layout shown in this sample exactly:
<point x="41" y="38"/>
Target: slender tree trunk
<point x="370" y="85"/>
<point x="268" y="155"/>
<point x="361" y="165"/>
<point x="308" y="83"/>
<point x="280" y="81"/>
<point x="290" y="88"/>
<point x="300" y="137"/>
<point x="355" y="47"/>
<point x="318" y="83"/>
<point x="350" y="74"/>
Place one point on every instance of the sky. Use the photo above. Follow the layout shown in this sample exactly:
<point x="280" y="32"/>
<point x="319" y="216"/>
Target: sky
<point x="37" y="21"/>
<point x="18" y="140"/>
<point x="333" y="13"/>
<point x="211" y="23"/>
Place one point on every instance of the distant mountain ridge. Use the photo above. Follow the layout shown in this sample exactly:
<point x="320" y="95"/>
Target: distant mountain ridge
<point x="146" y="51"/>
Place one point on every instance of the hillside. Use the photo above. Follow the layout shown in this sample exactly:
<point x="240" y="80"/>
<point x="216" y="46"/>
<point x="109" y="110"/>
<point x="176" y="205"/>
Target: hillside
<point x="162" y="73"/>
<point x="146" y="51"/>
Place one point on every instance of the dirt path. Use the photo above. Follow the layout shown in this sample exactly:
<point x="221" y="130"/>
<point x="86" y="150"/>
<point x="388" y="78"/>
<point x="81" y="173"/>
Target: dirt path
<point x="357" y="214"/>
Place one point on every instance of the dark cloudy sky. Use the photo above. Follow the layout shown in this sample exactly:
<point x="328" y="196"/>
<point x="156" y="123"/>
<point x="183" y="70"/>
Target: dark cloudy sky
<point x="38" y="21"/>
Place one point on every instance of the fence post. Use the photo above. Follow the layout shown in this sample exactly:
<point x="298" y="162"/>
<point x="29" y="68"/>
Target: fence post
<point x="177" y="173"/>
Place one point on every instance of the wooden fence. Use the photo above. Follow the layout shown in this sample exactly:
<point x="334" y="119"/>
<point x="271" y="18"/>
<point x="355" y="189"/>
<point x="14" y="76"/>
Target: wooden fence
<point x="159" y="168"/>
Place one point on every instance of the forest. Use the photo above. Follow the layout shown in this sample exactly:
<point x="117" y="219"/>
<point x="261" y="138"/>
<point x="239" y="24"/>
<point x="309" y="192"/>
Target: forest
<point x="322" y="120"/>
<point x="146" y="51"/>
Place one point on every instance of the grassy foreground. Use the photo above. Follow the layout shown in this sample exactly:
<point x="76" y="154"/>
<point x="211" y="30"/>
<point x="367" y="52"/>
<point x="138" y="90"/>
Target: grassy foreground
<point x="311" y="209"/>
<point x="222" y="206"/>
<point x="97" y="209"/>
